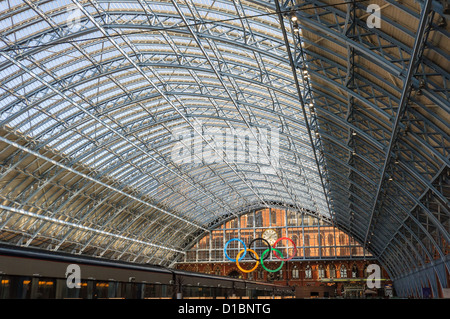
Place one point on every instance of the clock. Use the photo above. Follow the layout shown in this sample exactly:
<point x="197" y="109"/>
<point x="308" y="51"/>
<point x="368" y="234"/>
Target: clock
<point x="270" y="235"/>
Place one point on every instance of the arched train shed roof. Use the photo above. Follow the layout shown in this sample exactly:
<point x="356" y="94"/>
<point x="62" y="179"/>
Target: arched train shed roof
<point x="129" y="129"/>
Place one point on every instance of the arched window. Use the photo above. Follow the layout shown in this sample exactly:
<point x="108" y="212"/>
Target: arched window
<point x="260" y="273"/>
<point x="295" y="273"/>
<point x="354" y="271"/>
<point x="279" y="275"/>
<point x="343" y="271"/>
<point x="321" y="271"/>
<point x="308" y="272"/>
<point x="332" y="271"/>
<point x="365" y="275"/>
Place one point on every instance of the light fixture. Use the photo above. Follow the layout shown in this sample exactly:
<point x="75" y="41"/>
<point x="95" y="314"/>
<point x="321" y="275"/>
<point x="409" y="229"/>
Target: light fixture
<point x="293" y="17"/>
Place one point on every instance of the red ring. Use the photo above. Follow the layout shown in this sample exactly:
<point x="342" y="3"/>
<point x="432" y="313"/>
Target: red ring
<point x="295" y="248"/>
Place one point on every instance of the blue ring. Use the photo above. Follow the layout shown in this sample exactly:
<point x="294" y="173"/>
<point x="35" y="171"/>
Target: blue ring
<point x="226" y="245"/>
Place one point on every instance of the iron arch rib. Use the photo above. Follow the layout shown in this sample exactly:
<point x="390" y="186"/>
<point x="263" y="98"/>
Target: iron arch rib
<point x="125" y="122"/>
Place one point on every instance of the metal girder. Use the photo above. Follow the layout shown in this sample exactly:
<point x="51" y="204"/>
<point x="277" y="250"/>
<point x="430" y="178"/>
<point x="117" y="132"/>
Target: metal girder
<point x="137" y="67"/>
<point x="251" y="117"/>
<point x="119" y="86"/>
<point x="353" y="134"/>
<point x="18" y="146"/>
<point x="76" y="127"/>
<point x="301" y="95"/>
<point x="412" y="68"/>
<point x="358" y="130"/>
<point x="116" y="132"/>
<point x="79" y="226"/>
<point x="393" y="212"/>
<point x="388" y="61"/>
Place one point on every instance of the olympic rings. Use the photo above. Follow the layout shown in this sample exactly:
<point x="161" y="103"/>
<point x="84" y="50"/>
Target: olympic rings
<point x="262" y="260"/>
<point x="267" y="243"/>
<point x="295" y="248"/>
<point x="237" y="262"/>
<point x="277" y="253"/>
<point x="226" y="245"/>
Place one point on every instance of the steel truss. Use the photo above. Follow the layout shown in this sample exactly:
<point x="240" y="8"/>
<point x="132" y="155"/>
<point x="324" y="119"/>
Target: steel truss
<point x="91" y="112"/>
<point x="379" y="140"/>
<point x="94" y="94"/>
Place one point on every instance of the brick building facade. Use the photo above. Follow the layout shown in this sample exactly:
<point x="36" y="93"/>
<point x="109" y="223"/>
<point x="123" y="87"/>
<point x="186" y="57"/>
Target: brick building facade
<point x="326" y="261"/>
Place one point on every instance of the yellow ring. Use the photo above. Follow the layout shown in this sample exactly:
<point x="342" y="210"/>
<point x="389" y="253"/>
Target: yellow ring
<point x="237" y="261"/>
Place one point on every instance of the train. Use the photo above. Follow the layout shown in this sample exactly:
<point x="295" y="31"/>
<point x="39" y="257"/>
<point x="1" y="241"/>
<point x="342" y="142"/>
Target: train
<point x="30" y="273"/>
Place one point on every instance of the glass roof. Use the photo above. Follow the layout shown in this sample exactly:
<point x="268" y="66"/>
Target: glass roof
<point x="130" y="129"/>
<point x="190" y="106"/>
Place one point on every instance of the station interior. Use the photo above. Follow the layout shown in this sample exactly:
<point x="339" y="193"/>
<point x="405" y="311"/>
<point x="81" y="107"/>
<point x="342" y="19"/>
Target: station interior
<point x="224" y="149"/>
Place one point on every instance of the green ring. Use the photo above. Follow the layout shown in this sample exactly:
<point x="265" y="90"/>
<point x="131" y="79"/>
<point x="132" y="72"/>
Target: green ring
<point x="262" y="261"/>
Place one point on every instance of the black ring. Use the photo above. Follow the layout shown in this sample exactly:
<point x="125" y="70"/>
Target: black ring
<point x="268" y="245"/>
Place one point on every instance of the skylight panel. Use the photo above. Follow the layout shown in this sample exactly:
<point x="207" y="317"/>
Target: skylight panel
<point x="125" y="5"/>
<point x="63" y="140"/>
<point x="123" y="171"/>
<point x="4" y="5"/>
<point x="95" y="156"/>
<point x="43" y="126"/>
<point x="49" y="6"/>
<point x="21" y="16"/>
<point x="34" y="28"/>
<point x="120" y="146"/>
<point x="98" y="146"/>
<point x="31" y="86"/>
<point x="60" y="61"/>
<point x="93" y="89"/>
<point x="219" y="4"/>
<point x="100" y="159"/>
<point x="75" y="146"/>
<point x="25" y="116"/>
